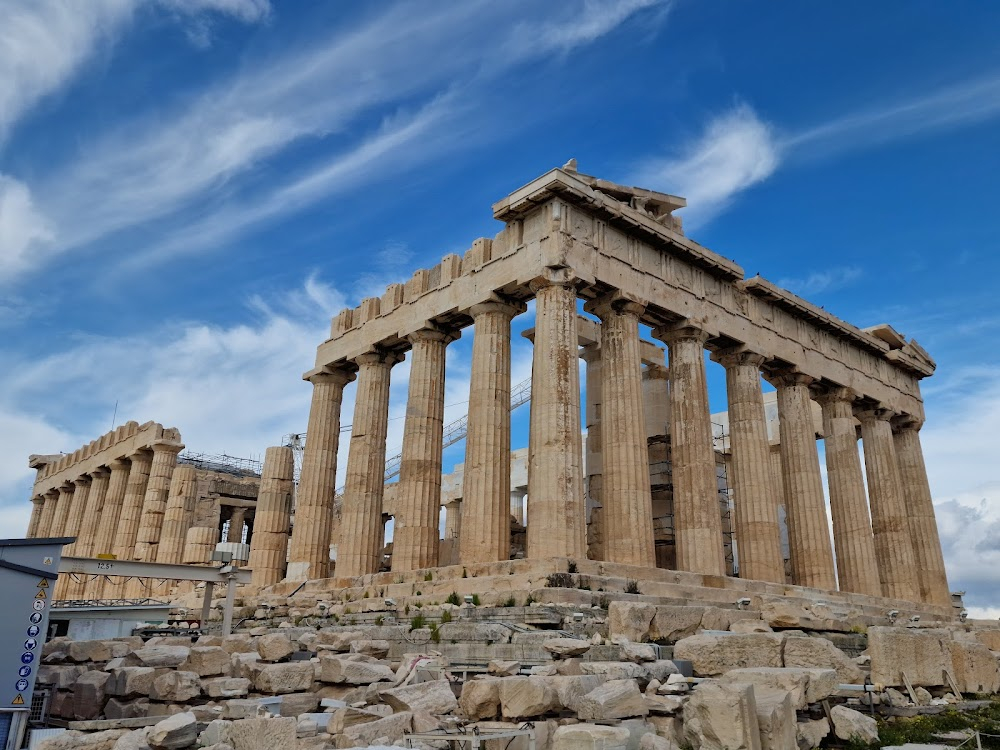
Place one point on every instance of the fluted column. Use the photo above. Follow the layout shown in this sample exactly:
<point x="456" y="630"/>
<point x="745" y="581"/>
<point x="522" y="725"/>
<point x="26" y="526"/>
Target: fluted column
<point x="177" y="518"/>
<point x="757" y="536"/>
<point x="107" y="530"/>
<point x="48" y="513"/>
<point x="418" y="497"/>
<point x="100" y="478"/>
<point x="309" y="549"/>
<point x="74" y="521"/>
<point x="591" y="354"/>
<point x="920" y="513"/>
<point x="857" y="569"/>
<point x="628" y="504"/>
<point x="893" y="547"/>
<point x="362" y="535"/>
<point x="204" y="534"/>
<point x="37" y="505"/>
<point x="135" y="494"/>
<point x="154" y="503"/>
<point x="517" y="505"/>
<point x="697" y="521"/>
<point x="485" y="524"/>
<point x="272" y="517"/>
<point x="63" y="507"/>
<point x="237" y="522"/>
<point x="808" y="530"/>
<point x="557" y="515"/>
<point x="656" y="399"/>
<point x="453" y="520"/>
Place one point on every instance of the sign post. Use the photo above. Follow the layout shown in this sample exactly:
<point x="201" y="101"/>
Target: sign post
<point x="28" y="572"/>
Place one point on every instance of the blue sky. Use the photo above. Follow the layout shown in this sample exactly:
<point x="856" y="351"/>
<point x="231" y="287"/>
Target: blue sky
<point x="189" y="189"/>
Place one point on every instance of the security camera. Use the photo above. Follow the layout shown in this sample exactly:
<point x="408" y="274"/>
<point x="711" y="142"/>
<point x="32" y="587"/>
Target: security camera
<point x="390" y="602"/>
<point x="893" y="614"/>
<point x="323" y="606"/>
<point x="915" y="618"/>
<point x="743" y="602"/>
<point x="578" y="617"/>
<point x="963" y="615"/>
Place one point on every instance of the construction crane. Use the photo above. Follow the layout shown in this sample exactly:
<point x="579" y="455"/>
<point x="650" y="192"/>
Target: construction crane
<point x="454" y="432"/>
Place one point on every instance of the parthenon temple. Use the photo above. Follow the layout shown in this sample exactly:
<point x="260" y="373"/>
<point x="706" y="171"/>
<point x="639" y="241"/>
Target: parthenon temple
<point x="626" y="472"/>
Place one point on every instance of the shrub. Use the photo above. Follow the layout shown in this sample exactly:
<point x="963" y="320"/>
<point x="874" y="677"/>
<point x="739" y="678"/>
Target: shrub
<point x="453" y="598"/>
<point x="417" y="622"/>
<point x="572" y="566"/>
<point x="631" y="587"/>
<point x="475" y="600"/>
<point x="428" y="576"/>
<point x="445" y="617"/>
<point x="509" y="603"/>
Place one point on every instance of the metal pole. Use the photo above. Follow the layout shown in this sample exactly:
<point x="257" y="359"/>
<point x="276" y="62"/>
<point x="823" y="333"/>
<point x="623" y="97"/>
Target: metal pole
<point x="979" y="741"/>
<point x="206" y="604"/>
<point x="227" y="612"/>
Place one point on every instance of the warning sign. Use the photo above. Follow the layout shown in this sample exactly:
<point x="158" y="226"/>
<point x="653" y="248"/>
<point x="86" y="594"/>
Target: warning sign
<point x="18" y="701"/>
<point x="43" y="583"/>
<point x="40" y="594"/>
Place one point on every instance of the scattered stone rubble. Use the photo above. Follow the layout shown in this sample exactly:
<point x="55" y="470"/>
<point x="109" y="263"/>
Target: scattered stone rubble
<point x="600" y="685"/>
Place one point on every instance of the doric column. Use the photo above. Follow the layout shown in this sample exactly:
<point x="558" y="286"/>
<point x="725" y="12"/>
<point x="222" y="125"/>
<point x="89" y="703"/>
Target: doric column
<point x="204" y="534"/>
<point x="107" y="530"/>
<point x="808" y="530"/>
<point x="154" y="503"/>
<point x="177" y="518"/>
<point x="272" y="517"/>
<point x="628" y="505"/>
<point x="74" y="521"/>
<point x="485" y="533"/>
<point x="453" y="520"/>
<point x="557" y="522"/>
<point x="591" y="354"/>
<point x="697" y="520"/>
<point x="309" y="549"/>
<point x="361" y="536"/>
<point x="237" y="521"/>
<point x="857" y="570"/>
<point x="893" y="547"/>
<point x="757" y="536"/>
<point x="517" y="505"/>
<point x="37" y="504"/>
<point x="418" y="496"/>
<point x="656" y="399"/>
<point x="48" y="513"/>
<point x="101" y="477"/>
<point x="920" y="513"/>
<point x="131" y="514"/>
<point x="63" y="507"/>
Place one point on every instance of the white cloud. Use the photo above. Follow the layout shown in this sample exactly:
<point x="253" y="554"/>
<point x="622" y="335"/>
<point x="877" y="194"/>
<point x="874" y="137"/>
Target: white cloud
<point x="822" y="281"/>
<point x="22" y="228"/>
<point x="736" y="151"/>
<point x="202" y="154"/>
<point x="44" y="43"/>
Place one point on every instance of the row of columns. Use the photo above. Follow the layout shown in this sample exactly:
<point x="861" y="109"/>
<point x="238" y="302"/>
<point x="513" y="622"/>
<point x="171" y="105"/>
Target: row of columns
<point x="896" y="553"/>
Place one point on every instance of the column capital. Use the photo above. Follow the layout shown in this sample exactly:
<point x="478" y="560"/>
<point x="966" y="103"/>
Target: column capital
<point x="656" y="372"/>
<point x="736" y="356"/>
<point x="590" y="353"/>
<point x="141" y="454"/>
<point x="331" y="374"/>
<point x="615" y="301"/>
<point x="67" y="487"/>
<point x="119" y="463"/>
<point x="876" y="413"/>
<point x="906" y="423"/>
<point x="99" y="471"/>
<point x="553" y="276"/>
<point x="82" y="481"/>
<point x="53" y="493"/>
<point x="379" y="357"/>
<point x="432" y="332"/>
<point x="787" y="376"/>
<point x="167" y="446"/>
<point x="835" y="394"/>
<point x="38" y="499"/>
<point x="506" y="307"/>
<point x="684" y="330"/>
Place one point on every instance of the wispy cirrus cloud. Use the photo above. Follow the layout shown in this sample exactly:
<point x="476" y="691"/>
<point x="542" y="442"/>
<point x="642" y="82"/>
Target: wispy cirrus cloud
<point x="738" y="149"/>
<point x="204" y="152"/>
<point x="827" y="280"/>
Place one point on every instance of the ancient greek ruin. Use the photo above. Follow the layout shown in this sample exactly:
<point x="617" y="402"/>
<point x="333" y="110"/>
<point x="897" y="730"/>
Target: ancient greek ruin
<point x="642" y="573"/>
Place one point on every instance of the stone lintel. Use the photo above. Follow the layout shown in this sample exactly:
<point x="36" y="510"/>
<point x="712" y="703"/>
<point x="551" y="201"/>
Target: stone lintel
<point x="589" y="335"/>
